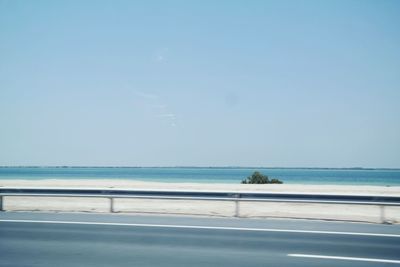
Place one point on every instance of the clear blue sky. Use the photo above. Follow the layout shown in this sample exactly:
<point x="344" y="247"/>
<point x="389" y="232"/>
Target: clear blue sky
<point x="205" y="83"/>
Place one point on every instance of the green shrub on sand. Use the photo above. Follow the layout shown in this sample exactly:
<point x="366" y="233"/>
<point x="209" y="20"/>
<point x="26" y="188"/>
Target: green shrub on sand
<point x="259" y="178"/>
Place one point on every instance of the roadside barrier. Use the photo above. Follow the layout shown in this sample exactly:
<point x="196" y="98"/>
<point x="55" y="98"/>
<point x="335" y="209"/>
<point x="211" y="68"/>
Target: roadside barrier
<point x="236" y="197"/>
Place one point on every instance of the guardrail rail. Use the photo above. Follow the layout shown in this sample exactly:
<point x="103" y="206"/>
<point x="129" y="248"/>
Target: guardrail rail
<point x="237" y="197"/>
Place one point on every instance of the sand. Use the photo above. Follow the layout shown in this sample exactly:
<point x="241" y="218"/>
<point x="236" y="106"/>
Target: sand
<point x="207" y="208"/>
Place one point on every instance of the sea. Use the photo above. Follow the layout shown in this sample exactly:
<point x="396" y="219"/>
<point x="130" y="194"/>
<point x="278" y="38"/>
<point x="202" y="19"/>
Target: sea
<point x="228" y="175"/>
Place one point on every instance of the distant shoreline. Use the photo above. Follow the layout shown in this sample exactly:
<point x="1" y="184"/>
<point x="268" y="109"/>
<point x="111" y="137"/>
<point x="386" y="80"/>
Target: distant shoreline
<point x="211" y="167"/>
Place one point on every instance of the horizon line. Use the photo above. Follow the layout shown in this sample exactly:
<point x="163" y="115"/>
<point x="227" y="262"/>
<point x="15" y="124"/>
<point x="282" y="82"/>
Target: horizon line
<point x="198" y="167"/>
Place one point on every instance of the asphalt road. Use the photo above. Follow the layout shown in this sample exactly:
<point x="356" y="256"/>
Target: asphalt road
<point x="40" y="239"/>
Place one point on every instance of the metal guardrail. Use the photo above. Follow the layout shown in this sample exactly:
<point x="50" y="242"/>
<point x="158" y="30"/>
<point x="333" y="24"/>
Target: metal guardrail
<point x="237" y="197"/>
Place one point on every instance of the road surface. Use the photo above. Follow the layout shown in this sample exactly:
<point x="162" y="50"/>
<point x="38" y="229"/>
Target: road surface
<point x="49" y="239"/>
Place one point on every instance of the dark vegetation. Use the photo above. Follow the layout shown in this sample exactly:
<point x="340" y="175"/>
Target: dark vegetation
<point x="259" y="178"/>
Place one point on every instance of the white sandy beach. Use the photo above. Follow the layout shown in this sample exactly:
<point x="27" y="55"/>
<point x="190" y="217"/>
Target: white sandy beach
<point x="133" y="184"/>
<point x="208" y="208"/>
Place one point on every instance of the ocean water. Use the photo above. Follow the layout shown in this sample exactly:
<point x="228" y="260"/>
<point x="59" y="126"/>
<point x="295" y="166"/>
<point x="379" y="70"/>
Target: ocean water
<point x="380" y="177"/>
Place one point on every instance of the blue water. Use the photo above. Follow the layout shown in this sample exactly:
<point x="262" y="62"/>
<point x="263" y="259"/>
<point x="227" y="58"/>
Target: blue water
<point x="209" y="175"/>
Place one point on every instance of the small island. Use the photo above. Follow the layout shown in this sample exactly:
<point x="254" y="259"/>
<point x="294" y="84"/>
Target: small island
<point x="259" y="178"/>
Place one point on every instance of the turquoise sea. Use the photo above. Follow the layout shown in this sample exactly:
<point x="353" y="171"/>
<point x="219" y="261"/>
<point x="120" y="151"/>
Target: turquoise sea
<point x="382" y="177"/>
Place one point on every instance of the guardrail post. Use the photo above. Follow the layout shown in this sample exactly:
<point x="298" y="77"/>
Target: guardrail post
<point x="237" y="205"/>
<point x="1" y="203"/>
<point x="382" y="212"/>
<point x="111" y="204"/>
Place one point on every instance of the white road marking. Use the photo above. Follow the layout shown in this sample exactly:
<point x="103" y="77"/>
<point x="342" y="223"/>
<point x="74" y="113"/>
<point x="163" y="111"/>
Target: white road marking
<point x="204" y="227"/>
<point x="344" y="258"/>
